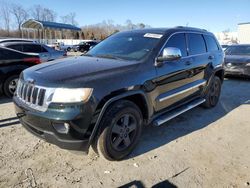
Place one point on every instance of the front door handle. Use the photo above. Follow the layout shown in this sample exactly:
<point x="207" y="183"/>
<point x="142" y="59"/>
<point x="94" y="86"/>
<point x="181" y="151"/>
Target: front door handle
<point x="188" y="62"/>
<point x="211" y="57"/>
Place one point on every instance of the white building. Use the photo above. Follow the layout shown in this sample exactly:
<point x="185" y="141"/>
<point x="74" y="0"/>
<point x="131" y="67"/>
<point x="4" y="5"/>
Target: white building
<point x="227" y="37"/>
<point x="244" y="33"/>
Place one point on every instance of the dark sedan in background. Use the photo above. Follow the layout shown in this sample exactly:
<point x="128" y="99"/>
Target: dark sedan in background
<point x="46" y="53"/>
<point x="237" y="60"/>
<point x="85" y="46"/>
<point x="12" y="63"/>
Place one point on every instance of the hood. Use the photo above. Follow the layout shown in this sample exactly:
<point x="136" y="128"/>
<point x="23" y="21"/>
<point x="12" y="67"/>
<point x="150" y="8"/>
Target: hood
<point x="76" y="69"/>
<point x="237" y="59"/>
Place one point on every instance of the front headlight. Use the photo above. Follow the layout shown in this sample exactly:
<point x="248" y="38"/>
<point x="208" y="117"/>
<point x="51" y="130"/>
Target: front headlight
<point x="66" y="95"/>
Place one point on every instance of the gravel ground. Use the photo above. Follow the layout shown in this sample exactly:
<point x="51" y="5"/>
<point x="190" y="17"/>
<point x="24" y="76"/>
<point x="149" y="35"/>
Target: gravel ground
<point x="201" y="148"/>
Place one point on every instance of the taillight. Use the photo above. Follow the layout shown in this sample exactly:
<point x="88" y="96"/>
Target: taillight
<point x="35" y="60"/>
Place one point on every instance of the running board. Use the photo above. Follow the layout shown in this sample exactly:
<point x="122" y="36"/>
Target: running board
<point x="174" y="113"/>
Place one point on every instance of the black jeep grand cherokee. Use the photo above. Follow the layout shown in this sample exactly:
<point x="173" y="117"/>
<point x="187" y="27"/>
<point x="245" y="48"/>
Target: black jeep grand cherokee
<point x="131" y="79"/>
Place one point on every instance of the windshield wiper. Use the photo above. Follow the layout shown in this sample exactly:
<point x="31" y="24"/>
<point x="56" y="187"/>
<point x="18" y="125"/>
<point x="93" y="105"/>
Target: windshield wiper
<point x="87" y="55"/>
<point x="109" y="56"/>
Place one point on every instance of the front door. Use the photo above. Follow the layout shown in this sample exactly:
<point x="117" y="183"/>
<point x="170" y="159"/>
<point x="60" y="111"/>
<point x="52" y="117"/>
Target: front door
<point x="180" y="79"/>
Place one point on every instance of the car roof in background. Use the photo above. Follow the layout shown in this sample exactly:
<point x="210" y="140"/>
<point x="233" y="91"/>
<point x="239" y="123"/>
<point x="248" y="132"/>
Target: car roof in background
<point x="3" y="40"/>
<point x="20" y="42"/>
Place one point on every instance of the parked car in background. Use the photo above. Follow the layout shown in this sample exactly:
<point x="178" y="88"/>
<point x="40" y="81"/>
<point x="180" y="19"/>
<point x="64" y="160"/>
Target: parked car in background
<point x="237" y="60"/>
<point x="61" y="46"/>
<point x="129" y="80"/>
<point x="224" y="46"/>
<point x="85" y="46"/>
<point x="4" y="40"/>
<point x="46" y="53"/>
<point x="12" y="63"/>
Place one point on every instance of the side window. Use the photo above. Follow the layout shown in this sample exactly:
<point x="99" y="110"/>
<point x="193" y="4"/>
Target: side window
<point x="8" y="54"/>
<point x="196" y="44"/>
<point x="18" y="47"/>
<point x="32" y="48"/>
<point x="43" y="49"/>
<point x="178" y="41"/>
<point x="211" y="43"/>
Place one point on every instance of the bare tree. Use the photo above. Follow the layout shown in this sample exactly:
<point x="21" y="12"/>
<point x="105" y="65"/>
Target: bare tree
<point x="69" y="19"/>
<point x="43" y="14"/>
<point x="6" y="16"/>
<point x="20" y="14"/>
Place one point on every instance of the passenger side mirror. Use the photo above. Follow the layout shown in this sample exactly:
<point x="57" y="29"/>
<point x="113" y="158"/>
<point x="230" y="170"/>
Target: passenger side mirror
<point x="169" y="54"/>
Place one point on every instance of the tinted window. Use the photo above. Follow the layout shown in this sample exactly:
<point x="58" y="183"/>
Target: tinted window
<point x="238" y="50"/>
<point x="128" y="46"/>
<point x="178" y="41"/>
<point x="196" y="44"/>
<point x="32" y="48"/>
<point x="18" y="47"/>
<point x="8" y="54"/>
<point x="211" y="43"/>
<point x="43" y="49"/>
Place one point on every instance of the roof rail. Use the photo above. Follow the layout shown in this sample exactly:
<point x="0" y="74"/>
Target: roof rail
<point x="190" y="28"/>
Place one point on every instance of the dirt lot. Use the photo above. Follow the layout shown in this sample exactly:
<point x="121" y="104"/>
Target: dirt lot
<point x="201" y="148"/>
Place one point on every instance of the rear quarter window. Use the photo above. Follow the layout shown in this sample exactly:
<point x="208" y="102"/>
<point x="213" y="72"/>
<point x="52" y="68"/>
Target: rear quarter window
<point x="211" y="43"/>
<point x="196" y="44"/>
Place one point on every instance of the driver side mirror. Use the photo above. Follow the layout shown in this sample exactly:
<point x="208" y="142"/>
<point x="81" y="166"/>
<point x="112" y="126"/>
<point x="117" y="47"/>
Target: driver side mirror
<point x="169" y="54"/>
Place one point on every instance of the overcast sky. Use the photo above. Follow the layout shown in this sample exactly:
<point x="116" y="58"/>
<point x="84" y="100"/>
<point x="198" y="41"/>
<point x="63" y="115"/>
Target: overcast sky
<point x="212" y="15"/>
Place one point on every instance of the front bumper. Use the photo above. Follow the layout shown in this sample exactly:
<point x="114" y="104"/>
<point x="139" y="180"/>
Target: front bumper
<point x="43" y="125"/>
<point x="237" y="71"/>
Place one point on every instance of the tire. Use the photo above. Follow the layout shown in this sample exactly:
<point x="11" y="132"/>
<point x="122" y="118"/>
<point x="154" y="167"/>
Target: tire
<point x="68" y="49"/>
<point x="9" y="86"/>
<point x="120" y="130"/>
<point x="213" y="94"/>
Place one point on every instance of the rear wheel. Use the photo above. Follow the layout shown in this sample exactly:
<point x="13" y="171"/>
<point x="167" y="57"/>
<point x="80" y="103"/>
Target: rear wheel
<point x="120" y="130"/>
<point x="213" y="94"/>
<point x="10" y="85"/>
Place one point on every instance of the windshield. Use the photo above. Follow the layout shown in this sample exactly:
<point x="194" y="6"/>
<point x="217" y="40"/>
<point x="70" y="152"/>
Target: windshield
<point x="127" y="46"/>
<point x="238" y="50"/>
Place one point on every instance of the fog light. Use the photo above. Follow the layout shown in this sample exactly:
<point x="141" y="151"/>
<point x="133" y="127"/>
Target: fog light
<point x="62" y="128"/>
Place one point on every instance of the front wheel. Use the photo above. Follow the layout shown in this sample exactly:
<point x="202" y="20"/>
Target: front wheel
<point x="213" y="94"/>
<point x="120" y="130"/>
<point x="10" y="84"/>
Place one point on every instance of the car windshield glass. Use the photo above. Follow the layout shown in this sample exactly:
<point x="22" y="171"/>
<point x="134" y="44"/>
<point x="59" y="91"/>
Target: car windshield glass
<point x="238" y="50"/>
<point x="127" y="46"/>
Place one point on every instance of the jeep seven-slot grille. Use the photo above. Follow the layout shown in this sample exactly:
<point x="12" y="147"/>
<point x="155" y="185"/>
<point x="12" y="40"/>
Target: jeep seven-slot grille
<point x="33" y="96"/>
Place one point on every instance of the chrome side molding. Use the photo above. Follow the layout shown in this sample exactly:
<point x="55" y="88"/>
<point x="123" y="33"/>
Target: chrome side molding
<point x="183" y="91"/>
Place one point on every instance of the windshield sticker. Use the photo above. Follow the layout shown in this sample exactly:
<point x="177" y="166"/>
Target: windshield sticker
<point x="153" y="35"/>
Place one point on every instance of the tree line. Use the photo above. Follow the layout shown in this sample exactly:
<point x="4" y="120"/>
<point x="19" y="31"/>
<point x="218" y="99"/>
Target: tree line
<point x="12" y="15"/>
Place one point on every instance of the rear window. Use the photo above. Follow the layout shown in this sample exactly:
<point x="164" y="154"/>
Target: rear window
<point x="196" y="44"/>
<point x="211" y="43"/>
